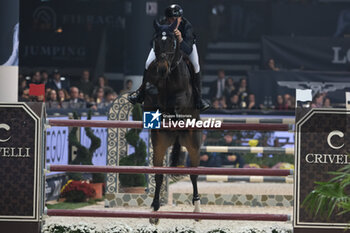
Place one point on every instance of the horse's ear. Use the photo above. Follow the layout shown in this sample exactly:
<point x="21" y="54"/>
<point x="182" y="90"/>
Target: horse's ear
<point x="173" y="26"/>
<point x="156" y="25"/>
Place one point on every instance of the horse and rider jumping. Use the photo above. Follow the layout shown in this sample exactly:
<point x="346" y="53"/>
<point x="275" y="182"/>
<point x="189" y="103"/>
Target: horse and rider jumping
<point x="186" y="38"/>
<point x="178" y="93"/>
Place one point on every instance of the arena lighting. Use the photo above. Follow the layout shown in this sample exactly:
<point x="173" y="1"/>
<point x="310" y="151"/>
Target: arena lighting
<point x="59" y="30"/>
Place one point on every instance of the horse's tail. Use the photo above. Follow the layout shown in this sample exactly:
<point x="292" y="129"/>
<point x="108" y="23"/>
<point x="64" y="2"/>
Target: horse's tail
<point x="175" y="154"/>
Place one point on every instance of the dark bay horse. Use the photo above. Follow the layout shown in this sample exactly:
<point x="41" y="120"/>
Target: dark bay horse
<point x="171" y="76"/>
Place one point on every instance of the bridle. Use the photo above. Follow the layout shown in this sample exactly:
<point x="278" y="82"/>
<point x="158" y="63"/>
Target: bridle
<point x="173" y="64"/>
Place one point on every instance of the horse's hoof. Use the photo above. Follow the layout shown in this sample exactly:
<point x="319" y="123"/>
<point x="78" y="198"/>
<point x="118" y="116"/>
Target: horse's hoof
<point x="198" y="220"/>
<point x="155" y="205"/>
<point x="154" y="221"/>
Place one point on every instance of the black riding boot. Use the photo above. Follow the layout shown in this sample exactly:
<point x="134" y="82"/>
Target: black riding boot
<point x="139" y="95"/>
<point x="201" y="104"/>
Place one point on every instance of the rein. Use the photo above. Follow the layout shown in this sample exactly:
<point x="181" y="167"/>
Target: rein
<point x="173" y="66"/>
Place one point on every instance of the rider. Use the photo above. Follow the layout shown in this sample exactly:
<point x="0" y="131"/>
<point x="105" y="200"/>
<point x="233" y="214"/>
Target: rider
<point x="186" y="37"/>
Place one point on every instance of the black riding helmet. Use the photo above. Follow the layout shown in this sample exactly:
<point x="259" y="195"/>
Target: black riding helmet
<point x="174" y="10"/>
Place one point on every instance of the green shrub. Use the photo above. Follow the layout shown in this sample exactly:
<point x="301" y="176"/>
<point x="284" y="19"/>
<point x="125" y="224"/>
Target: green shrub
<point x="138" y="158"/>
<point x="84" y="155"/>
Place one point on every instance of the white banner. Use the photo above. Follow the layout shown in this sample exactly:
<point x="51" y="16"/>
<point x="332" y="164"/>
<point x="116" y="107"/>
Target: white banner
<point x="57" y="145"/>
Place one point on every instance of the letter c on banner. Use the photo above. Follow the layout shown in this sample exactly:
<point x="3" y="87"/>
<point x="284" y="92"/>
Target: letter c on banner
<point x="7" y="128"/>
<point x="335" y="133"/>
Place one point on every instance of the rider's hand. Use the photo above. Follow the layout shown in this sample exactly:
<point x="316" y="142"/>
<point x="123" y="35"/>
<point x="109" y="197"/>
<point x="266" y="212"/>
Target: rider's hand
<point x="178" y="35"/>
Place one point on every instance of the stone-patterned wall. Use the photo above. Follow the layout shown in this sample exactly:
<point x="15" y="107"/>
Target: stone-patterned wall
<point x="126" y="199"/>
<point x="236" y="199"/>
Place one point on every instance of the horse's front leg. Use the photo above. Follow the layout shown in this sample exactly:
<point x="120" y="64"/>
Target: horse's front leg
<point x="158" y="159"/>
<point x="160" y="145"/>
<point x="195" y="199"/>
<point x="159" y="180"/>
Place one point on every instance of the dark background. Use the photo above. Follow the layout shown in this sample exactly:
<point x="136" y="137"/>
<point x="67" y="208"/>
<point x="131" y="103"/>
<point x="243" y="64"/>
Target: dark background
<point x="123" y="45"/>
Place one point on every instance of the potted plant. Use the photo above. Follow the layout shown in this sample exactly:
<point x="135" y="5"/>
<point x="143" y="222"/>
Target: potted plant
<point x="84" y="157"/>
<point x="138" y="158"/>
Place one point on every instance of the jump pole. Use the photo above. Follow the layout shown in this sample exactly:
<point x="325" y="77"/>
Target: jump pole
<point x="247" y="149"/>
<point x="139" y="125"/>
<point x="171" y="215"/>
<point x="170" y="170"/>
<point x="254" y="120"/>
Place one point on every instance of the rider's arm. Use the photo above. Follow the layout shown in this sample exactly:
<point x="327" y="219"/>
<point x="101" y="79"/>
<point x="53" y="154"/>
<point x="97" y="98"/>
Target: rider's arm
<point x="188" y="38"/>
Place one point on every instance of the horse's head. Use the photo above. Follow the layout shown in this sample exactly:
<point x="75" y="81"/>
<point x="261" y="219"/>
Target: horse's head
<point x="165" y="46"/>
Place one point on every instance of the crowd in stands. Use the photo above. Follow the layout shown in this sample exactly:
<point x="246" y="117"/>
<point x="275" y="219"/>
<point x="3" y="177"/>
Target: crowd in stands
<point x="58" y="93"/>
<point x="220" y="159"/>
<point x="224" y="92"/>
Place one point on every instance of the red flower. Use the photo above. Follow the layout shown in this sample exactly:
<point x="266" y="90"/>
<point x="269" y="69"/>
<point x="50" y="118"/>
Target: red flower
<point x="78" y="186"/>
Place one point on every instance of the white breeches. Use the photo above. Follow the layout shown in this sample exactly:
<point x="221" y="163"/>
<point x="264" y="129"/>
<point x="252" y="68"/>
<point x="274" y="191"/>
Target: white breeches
<point x="193" y="58"/>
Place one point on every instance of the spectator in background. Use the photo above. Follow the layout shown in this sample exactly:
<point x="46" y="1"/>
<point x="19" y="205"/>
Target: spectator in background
<point x="219" y="103"/>
<point x="24" y="97"/>
<point x="217" y="88"/>
<point x="327" y="103"/>
<point x="229" y="88"/>
<point x="75" y="101"/>
<point x="58" y="82"/>
<point x="242" y="92"/>
<point x="280" y="104"/>
<point x="82" y="96"/>
<point x="100" y="96"/>
<point x="62" y="95"/>
<point x="251" y="102"/>
<point x="234" y="159"/>
<point x="111" y="95"/>
<point x="234" y="102"/>
<point x="215" y="103"/>
<point x="291" y="103"/>
<point x="101" y="82"/>
<point x="208" y="159"/>
<point x="36" y="78"/>
<point x="22" y="86"/>
<point x="63" y="98"/>
<point x="317" y="101"/>
<point x="287" y="99"/>
<point x="271" y="65"/>
<point x="128" y="86"/>
<point x="44" y="77"/>
<point x="85" y="84"/>
<point x="222" y="103"/>
<point x="242" y="87"/>
<point x="52" y="100"/>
